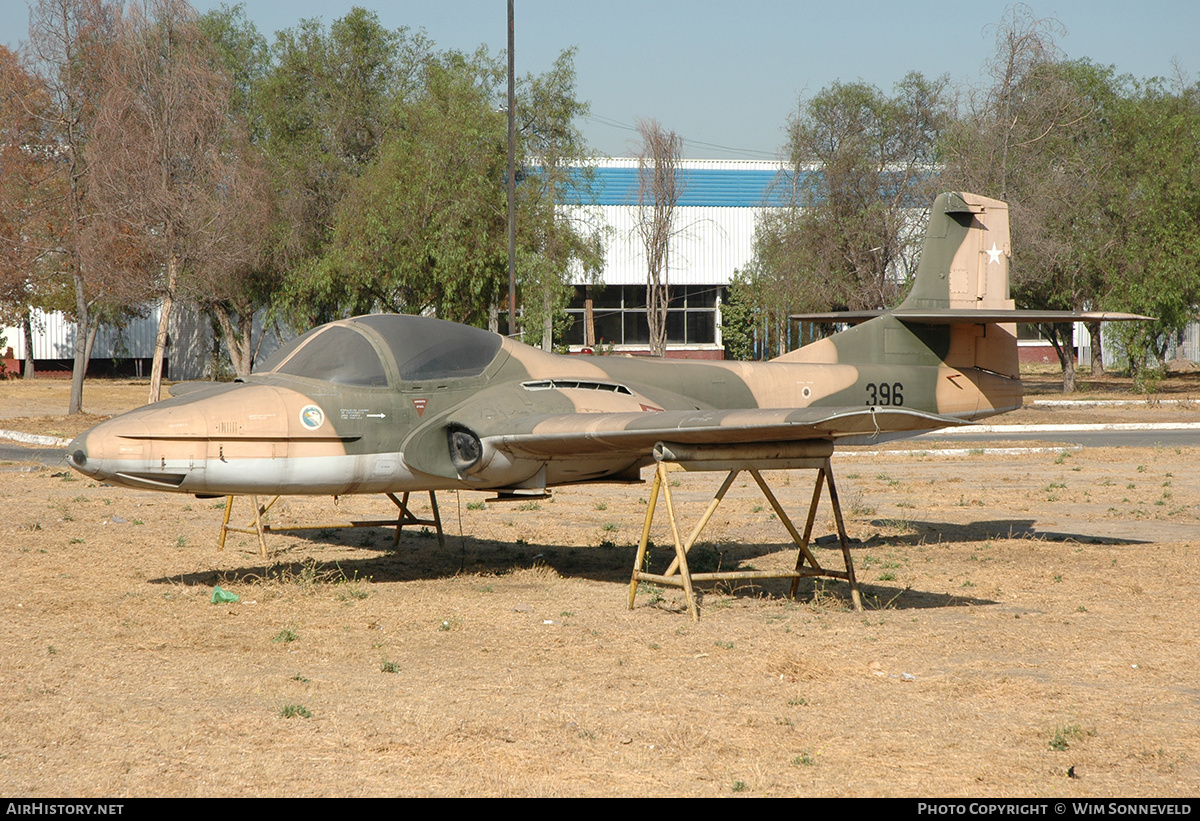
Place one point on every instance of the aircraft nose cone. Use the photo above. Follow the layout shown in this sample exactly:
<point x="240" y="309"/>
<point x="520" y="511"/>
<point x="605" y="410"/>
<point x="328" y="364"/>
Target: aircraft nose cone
<point x="101" y="451"/>
<point x="77" y="455"/>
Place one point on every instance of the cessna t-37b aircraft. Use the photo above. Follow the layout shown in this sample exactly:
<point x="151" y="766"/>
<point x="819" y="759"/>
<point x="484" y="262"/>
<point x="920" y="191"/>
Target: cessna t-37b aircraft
<point x="393" y="403"/>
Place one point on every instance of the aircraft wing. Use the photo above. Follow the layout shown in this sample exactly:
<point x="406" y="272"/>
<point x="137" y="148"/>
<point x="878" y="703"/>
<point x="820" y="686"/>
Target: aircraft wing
<point x="593" y="433"/>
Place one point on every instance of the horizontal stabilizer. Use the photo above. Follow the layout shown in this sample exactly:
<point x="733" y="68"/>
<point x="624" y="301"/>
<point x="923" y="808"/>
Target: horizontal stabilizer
<point x="971" y="316"/>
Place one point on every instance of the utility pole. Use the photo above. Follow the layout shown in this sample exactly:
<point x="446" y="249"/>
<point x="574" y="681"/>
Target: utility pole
<point x="512" y="183"/>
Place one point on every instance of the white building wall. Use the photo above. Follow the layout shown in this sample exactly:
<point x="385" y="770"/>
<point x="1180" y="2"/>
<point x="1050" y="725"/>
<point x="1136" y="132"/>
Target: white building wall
<point x="710" y="243"/>
<point x="54" y="338"/>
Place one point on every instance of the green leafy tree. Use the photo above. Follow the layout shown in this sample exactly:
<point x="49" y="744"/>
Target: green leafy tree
<point x="1080" y="154"/>
<point x="770" y="288"/>
<point x="1153" y="246"/>
<point x="1036" y="138"/>
<point x="322" y="113"/>
<point x="423" y="228"/>
<point x="1058" y="187"/>
<point x="245" y="54"/>
<point x="555" y="247"/>
<point x="860" y="162"/>
<point x="739" y="318"/>
<point x="861" y="165"/>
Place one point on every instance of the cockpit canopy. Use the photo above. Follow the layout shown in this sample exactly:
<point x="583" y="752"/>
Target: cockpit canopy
<point x="352" y="351"/>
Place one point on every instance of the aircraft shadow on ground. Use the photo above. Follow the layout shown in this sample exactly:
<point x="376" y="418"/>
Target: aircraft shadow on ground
<point x="923" y="532"/>
<point x="418" y="557"/>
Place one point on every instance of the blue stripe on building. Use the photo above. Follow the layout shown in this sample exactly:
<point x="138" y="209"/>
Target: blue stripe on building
<point x="747" y="188"/>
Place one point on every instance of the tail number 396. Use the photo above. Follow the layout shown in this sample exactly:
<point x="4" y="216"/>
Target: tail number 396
<point x="885" y="394"/>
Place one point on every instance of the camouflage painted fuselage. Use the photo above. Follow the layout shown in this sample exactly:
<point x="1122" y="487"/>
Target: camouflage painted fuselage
<point x="397" y="403"/>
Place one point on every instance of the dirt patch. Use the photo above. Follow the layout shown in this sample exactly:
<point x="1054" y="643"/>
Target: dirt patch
<point x="1028" y="617"/>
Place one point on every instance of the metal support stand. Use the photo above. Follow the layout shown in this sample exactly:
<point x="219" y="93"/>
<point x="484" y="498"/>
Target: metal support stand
<point x="258" y="527"/>
<point x="807" y="566"/>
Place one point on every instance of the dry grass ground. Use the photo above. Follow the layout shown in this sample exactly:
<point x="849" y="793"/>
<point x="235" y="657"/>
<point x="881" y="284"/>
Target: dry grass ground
<point x="1029" y="618"/>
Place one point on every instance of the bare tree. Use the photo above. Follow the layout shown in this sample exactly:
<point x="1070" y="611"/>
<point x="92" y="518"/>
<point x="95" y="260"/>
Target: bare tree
<point x="31" y="216"/>
<point x="167" y="161"/>
<point x="850" y="227"/>
<point x="229" y="275"/>
<point x="1026" y="48"/>
<point x="659" y="188"/>
<point x="67" y="40"/>
<point x="1034" y="138"/>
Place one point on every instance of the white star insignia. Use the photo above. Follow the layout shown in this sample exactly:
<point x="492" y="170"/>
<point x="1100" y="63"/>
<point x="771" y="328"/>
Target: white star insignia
<point x="994" y="254"/>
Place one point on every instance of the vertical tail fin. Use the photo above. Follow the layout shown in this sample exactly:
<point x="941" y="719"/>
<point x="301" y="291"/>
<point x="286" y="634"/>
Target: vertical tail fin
<point x="964" y="262"/>
<point x="958" y="318"/>
<point x="954" y="316"/>
<point x="964" y="267"/>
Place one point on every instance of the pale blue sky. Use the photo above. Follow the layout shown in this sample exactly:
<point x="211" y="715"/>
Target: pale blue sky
<point x="725" y="76"/>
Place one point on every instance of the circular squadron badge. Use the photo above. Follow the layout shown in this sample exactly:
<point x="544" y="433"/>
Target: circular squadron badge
<point x="312" y="417"/>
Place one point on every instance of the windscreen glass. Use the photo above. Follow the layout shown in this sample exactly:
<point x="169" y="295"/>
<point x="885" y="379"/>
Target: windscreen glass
<point x="272" y="362"/>
<point x="340" y="355"/>
<point x="428" y="349"/>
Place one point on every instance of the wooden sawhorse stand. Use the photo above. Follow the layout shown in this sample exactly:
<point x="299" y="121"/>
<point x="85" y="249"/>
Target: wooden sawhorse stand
<point x="735" y="459"/>
<point x="405" y="517"/>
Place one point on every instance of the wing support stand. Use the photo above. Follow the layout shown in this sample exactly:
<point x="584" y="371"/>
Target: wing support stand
<point x="734" y="459"/>
<point x="260" y="528"/>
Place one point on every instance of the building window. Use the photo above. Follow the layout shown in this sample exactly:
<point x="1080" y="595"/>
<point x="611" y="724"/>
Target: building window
<point x="619" y="314"/>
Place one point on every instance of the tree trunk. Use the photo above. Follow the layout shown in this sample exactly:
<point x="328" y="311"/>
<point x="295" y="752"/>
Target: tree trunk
<point x="1068" y="366"/>
<point x="654" y="318"/>
<point x="589" y="319"/>
<point x="241" y="352"/>
<point x="1063" y="340"/>
<point x="79" y="366"/>
<point x="249" y="349"/>
<point x="164" y="323"/>
<point x="90" y="340"/>
<point x="547" y="323"/>
<point x="27" y="372"/>
<point x="1097" y="349"/>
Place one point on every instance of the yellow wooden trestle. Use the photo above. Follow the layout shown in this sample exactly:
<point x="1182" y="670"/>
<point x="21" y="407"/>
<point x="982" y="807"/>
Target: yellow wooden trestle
<point x="260" y="528"/>
<point x="807" y="566"/>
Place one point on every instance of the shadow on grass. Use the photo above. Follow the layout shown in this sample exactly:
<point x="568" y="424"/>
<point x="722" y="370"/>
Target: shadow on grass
<point x="418" y="557"/>
<point x="922" y="532"/>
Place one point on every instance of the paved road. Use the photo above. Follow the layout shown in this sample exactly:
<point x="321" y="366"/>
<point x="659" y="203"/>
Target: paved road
<point x="1130" y="434"/>
<point x="1094" y="439"/>
<point x="13" y="452"/>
